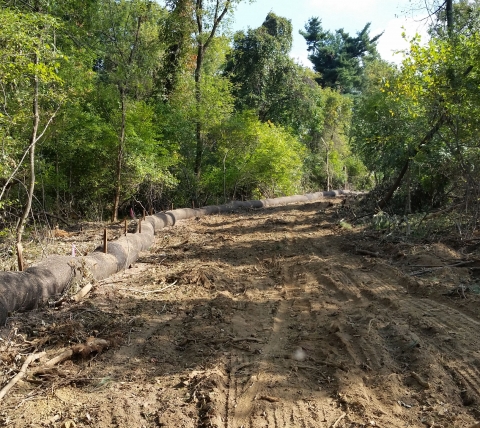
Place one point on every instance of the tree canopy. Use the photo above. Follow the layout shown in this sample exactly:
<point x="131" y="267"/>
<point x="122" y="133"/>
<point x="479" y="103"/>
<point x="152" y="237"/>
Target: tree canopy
<point x="423" y="118"/>
<point x="338" y="57"/>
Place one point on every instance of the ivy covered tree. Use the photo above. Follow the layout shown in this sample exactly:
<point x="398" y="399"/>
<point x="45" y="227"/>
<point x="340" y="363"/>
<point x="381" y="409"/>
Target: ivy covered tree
<point x="338" y="57"/>
<point x="266" y="80"/>
<point x="259" y="65"/>
<point x="176" y="35"/>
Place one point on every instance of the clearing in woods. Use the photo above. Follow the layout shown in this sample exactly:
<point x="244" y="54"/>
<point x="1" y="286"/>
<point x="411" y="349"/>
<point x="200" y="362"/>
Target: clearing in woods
<point x="270" y="318"/>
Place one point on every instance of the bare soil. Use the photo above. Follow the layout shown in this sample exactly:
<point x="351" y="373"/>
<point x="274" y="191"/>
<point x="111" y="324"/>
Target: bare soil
<point x="270" y="318"/>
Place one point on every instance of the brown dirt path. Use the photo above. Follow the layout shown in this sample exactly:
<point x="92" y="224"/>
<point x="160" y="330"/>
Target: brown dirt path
<point x="270" y="319"/>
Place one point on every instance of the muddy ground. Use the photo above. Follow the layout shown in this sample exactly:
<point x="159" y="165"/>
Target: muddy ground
<point x="271" y="318"/>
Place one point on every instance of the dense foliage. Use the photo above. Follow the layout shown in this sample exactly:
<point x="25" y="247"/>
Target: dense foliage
<point x="419" y="124"/>
<point x="137" y="103"/>
<point x="108" y="105"/>
<point x="112" y="104"/>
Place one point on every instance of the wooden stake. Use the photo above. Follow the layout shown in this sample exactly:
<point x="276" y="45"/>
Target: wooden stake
<point x="140" y="226"/>
<point x="144" y="214"/>
<point x="21" y="264"/>
<point x="105" y="242"/>
<point x="151" y="210"/>
<point x="126" y="228"/>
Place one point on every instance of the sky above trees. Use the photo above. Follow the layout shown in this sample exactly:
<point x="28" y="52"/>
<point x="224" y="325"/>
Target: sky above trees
<point x="389" y="16"/>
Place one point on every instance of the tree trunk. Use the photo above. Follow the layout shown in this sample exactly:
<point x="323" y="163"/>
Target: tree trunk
<point x="31" y="185"/>
<point x="428" y="137"/>
<point x="327" y="163"/>
<point x="119" y="164"/>
<point x="198" y="100"/>
<point x="202" y="46"/>
<point x="328" y="169"/>
<point x="408" y="202"/>
<point x="449" y="10"/>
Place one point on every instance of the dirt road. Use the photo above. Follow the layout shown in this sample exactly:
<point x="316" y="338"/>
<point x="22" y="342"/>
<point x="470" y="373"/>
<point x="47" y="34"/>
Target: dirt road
<point x="272" y="318"/>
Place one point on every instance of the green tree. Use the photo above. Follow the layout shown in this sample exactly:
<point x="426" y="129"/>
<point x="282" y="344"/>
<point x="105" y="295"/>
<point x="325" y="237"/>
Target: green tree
<point x="209" y="15"/>
<point x="127" y="33"/>
<point x="179" y="116"/>
<point x="338" y="57"/>
<point x="269" y="82"/>
<point x="254" y="160"/>
<point x="422" y="119"/>
<point x="32" y="95"/>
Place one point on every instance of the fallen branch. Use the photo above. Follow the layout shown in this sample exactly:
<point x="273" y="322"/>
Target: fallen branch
<point x="339" y="366"/>
<point x="338" y="420"/>
<point x="460" y="264"/>
<point x="91" y="345"/>
<point x="366" y="253"/>
<point x="439" y="213"/>
<point x="21" y="373"/>
<point x="135" y="290"/>
<point x="58" y="359"/>
<point x="247" y="339"/>
<point x="269" y="399"/>
<point x="180" y="244"/>
<point x="305" y="367"/>
<point x="82" y="293"/>
<point x="56" y="217"/>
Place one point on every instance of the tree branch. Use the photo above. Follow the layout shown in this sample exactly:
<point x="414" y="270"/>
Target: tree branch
<point x="216" y="22"/>
<point x="428" y="137"/>
<point x="21" y="373"/>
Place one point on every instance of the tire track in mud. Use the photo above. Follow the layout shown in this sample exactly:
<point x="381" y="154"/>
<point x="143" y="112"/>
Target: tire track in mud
<point x="242" y="403"/>
<point x="258" y="393"/>
<point x="395" y="319"/>
<point x="446" y="321"/>
<point x="363" y="333"/>
<point x="287" y="331"/>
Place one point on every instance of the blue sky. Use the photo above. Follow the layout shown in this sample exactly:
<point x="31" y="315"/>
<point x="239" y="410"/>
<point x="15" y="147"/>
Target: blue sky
<point x="351" y="15"/>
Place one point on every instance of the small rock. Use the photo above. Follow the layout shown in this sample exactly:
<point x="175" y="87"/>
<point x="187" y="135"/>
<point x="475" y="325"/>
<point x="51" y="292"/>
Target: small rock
<point x="299" y="355"/>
